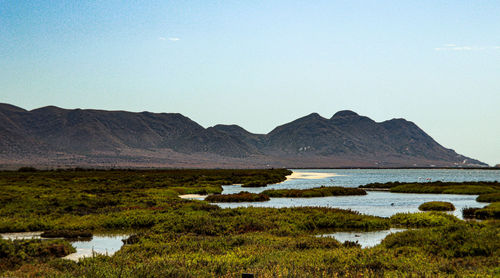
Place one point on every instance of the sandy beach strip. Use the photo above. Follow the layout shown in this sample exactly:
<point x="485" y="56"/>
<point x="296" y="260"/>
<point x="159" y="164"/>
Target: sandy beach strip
<point x="293" y="176"/>
<point x="193" y="196"/>
<point x="310" y="175"/>
<point x="21" y="235"/>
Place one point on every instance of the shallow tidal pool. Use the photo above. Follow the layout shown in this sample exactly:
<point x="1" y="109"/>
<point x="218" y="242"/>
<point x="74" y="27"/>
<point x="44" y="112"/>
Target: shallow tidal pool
<point x="377" y="203"/>
<point x="365" y="239"/>
<point x="105" y="244"/>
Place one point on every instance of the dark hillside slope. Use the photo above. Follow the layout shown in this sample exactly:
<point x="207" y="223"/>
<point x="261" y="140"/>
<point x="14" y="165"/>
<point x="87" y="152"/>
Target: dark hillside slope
<point x="56" y="136"/>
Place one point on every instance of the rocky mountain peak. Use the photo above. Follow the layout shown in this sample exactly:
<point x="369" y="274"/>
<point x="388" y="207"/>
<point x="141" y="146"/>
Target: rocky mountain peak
<point x="345" y="114"/>
<point x="53" y="135"/>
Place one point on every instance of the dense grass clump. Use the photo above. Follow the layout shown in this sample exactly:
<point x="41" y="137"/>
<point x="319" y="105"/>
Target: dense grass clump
<point x="237" y="197"/>
<point x="14" y="253"/>
<point x="267" y="180"/>
<point x="255" y="184"/>
<point x="423" y="219"/>
<point x="491" y="211"/>
<point x="457" y="240"/>
<point x="73" y="234"/>
<point x="469" y="213"/>
<point x="437" y="206"/>
<point x="439" y="187"/>
<point x="314" y="192"/>
<point x="378" y="185"/>
<point x="489" y="198"/>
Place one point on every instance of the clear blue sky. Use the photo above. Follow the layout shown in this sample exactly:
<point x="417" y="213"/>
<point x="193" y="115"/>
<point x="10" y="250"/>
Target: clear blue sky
<point x="259" y="64"/>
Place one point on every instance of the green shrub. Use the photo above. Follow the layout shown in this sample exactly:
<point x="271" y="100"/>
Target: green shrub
<point x="437" y="206"/>
<point x="14" y="253"/>
<point x="439" y="187"/>
<point x="469" y="213"/>
<point x="423" y="219"/>
<point x="488" y="198"/>
<point x="255" y="184"/>
<point x="314" y="192"/>
<point x="456" y="240"/>
<point x="67" y="234"/>
<point x="491" y="211"/>
<point x="237" y="197"/>
<point x="444" y="189"/>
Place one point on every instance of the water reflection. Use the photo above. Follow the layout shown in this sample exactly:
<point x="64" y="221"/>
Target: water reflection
<point x="375" y="203"/>
<point x="365" y="239"/>
<point x="105" y="244"/>
<point x="99" y="244"/>
<point x="384" y="204"/>
<point x="357" y="177"/>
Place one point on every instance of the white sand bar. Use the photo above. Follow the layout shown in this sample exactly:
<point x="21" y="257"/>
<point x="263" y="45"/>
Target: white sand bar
<point x="21" y="235"/>
<point x="310" y="175"/>
<point x="193" y="196"/>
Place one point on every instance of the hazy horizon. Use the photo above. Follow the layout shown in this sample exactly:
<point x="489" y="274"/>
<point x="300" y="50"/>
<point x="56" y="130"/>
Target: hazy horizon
<point x="262" y="64"/>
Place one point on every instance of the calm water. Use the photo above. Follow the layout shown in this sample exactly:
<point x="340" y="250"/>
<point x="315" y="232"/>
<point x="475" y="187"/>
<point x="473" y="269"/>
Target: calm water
<point x="375" y="203"/>
<point x="365" y="239"/>
<point x="357" y="177"/>
<point x="100" y="244"/>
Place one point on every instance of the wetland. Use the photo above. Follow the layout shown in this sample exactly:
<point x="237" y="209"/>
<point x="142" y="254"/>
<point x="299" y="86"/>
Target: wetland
<point x="175" y="237"/>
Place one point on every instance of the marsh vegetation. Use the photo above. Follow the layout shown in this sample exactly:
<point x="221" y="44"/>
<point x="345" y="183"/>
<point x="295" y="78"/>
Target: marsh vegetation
<point x="437" y="206"/>
<point x="174" y="237"/>
<point x="438" y="187"/>
<point x="237" y="197"/>
<point x="323" y="191"/>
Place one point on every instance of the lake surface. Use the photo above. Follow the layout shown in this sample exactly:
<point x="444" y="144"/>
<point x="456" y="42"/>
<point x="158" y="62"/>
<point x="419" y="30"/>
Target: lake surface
<point x="375" y="203"/>
<point x="365" y="239"/>
<point x="100" y="244"/>
<point x="357" y="177"/>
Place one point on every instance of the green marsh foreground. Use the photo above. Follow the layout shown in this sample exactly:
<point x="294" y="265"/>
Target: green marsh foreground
<point x="184" y="238"/>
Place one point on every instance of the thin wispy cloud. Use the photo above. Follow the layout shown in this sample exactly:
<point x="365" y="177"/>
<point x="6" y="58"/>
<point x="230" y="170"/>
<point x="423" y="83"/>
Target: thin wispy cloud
<point x="455" y="47"/>
<point x="173" y="39"/>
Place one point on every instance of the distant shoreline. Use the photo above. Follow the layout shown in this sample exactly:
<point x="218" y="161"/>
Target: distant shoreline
<point x="399" y="168"/>
<point x="309" y="176"/>
<point x="4" y="168"/>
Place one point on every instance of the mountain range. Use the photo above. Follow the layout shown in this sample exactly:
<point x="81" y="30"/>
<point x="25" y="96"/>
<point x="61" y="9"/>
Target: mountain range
<point x="55" y="137"/>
